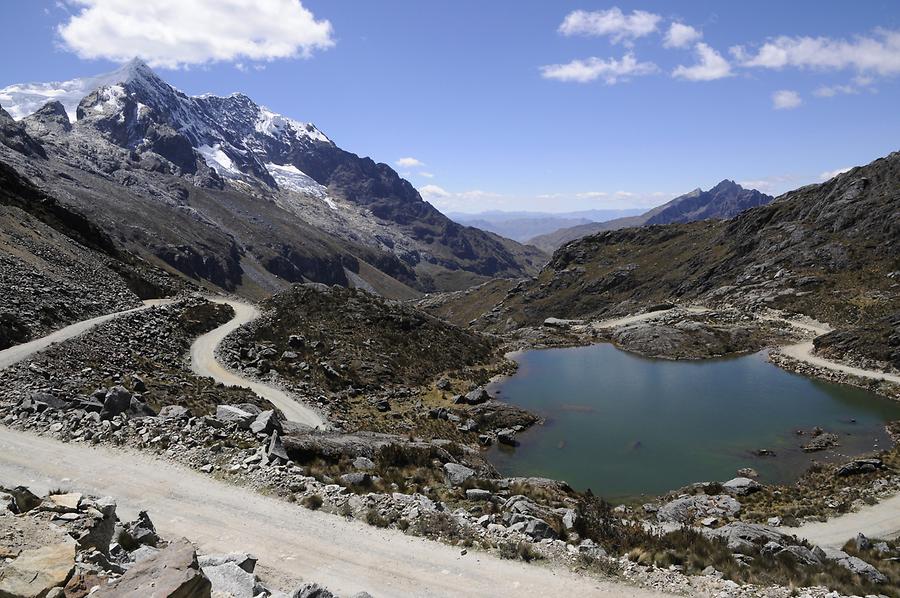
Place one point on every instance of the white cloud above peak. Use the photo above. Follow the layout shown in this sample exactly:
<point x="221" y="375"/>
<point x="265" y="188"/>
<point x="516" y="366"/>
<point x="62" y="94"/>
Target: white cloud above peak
<point x="409" y="162"/>
<point x="610" y="70"/>
<point x="612" y="23"/>
<point x="710" y="66"/>
<point x="176" y="33"/>
<point x="680" y="35"/>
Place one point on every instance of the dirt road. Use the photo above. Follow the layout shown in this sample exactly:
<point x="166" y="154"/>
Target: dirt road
<point x="876" y="521"/>
<point x="204" y="363"/>
<point x="18" y="353"/>
<point x="804" y="352"/>
<point x="294" y="542"/>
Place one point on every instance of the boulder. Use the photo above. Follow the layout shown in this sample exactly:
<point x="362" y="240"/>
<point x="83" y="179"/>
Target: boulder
<point x="312" y="590"/>
<point x="858" y="466"/>
<point x="688" y="509"/>
<point x="276" y="448"/>
<point x="744" y="537"/>
<point x="23" y="499"/>
<point x="62" y="503"/>
<point x="741" y="486"/>
<point x="478" y="396"/>
<point x="820" y="442"/>
<point x="116" y="402"/>
<point x="457" y="474"/>
<point x="855" y="565"/>
<point x="266" y="423"/>
<point x="228" y="579"/>
<point x="233" y="414"/>
<point x="97" y="530"/>
<point x="798" y="554"/>
<point x="142" y="530"/>
<point x="508" y="437"/>
<point x="36" y="572"/>
<point x="245" y="561"/>
<point x="174" y="412"/>
<point x="172" y="573"/>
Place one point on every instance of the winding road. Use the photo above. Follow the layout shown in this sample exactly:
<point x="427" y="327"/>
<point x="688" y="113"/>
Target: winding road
<point x="804" y="352"/>
<point x="204" y="363"/>
<point x="296" y="543"/>
<point x="17" y="353"/>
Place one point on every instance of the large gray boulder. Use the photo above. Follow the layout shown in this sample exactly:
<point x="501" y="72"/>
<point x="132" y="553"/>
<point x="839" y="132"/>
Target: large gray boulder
<point x="228" y="579"/>
<point x="855" y="565"/>
<point x="233" y="414"/>
<point x="457" y="474"/>
<point x="745" y="537"/>
<point x="741" y="486"/>
<point x="266" y="423"/>
<point x="688" y="509"/>
<point x="172" y="573"/>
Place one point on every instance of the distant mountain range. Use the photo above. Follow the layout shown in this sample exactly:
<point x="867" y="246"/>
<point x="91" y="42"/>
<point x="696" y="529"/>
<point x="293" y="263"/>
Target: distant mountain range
<point x="725" y="200"/>
<point x="521" y="226"/>
<point x="227" y="192"/>
<point x="826" y="250"/>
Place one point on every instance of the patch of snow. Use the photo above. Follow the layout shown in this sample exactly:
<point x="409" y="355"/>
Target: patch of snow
<point x="275" y="125"/>
<point x="291" y="178"/>
<point x="218" y="160"/>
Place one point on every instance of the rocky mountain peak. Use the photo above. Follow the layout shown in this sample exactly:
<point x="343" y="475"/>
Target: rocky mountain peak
<point x="51" y="118"/>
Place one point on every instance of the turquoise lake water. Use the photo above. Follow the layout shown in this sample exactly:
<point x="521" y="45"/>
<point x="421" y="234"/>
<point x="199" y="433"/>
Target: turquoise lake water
<point x="623" y="425"/>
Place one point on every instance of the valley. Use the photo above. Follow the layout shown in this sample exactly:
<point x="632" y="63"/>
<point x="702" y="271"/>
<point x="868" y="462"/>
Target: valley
<point x="215" y="313"/>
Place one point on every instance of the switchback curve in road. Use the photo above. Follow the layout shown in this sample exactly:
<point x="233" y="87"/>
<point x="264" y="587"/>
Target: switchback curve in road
<point x="205" y="363"/>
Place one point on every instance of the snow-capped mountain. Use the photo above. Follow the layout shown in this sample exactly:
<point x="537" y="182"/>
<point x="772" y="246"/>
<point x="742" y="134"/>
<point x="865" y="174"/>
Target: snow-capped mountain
<point x="131" y="128"/>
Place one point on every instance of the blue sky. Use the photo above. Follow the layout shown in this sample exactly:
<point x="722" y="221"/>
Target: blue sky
<point x="550" y="106"/>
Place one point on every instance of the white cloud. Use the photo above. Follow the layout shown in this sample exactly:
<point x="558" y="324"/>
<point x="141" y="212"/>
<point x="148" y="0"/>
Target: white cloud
<point x="427" y="175"/>
<point x="830" y="174"/>
<point x="591" y="69"/>
<point x="431" y="192"/>
<point x="786" y="99"/>
<point x="829" y="91"/>
<point x="177" y="33"/>
<point x="681" y="36"/>
<point x="409" y="162"/>
<point x="860" y="83"/>
<point x="710" y="66"/>
<point x="878" y="53"/>
<point x="612" y="22"/>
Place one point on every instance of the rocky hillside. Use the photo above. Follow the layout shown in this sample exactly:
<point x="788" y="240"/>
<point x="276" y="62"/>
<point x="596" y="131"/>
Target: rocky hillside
<point x="825" y="250"/>
<point x="56" y="267"/>
<point x="225" y="191"/>
<point x="331" y="338"/>
<point x="725" y="200"/>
